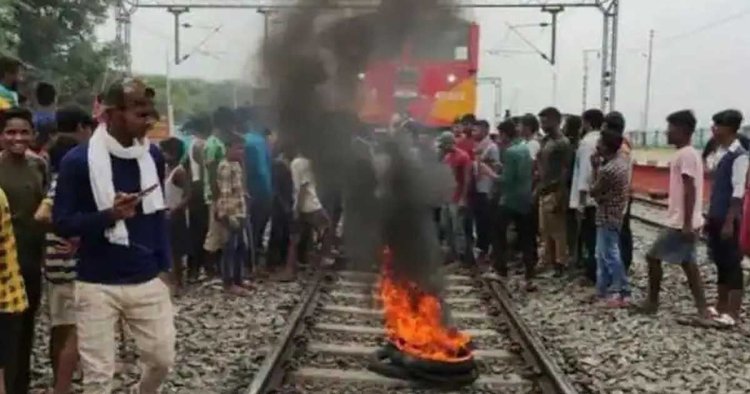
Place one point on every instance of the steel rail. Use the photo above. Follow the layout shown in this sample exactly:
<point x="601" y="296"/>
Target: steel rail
<point x="554" y="379"/>
<point x="701" y="236"/>
<point x="649" y="201"/>
<point x="271" y="371"/>
<point x="648" y="221"/>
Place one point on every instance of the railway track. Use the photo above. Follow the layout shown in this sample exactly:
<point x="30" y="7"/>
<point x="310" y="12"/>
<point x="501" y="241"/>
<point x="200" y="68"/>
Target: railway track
<point x="649" y="211"/>
<point x="334" y="333"/>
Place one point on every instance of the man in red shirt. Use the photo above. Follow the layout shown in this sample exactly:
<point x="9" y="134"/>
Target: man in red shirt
<point x="462" y="134"/>
<point x="456" y="216"/>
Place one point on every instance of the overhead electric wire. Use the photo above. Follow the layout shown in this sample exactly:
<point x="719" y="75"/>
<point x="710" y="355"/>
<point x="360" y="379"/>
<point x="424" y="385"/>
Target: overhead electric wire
<point x="200" y="45"/>
<point x="662" y="42"/>
<point x="707" y="26"/>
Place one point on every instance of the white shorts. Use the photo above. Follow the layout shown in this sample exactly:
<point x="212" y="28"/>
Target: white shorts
<point x="61" y="299"/>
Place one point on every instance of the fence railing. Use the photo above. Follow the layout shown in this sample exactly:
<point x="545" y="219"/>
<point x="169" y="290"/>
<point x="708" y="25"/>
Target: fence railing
<point x="658" y="138"/>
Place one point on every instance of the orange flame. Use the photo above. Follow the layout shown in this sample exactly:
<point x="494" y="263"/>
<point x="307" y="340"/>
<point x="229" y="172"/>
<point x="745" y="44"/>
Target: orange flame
<point x="413" y="321"/>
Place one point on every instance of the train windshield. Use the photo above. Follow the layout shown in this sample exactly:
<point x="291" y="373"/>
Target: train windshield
<point x="450" y="43"/>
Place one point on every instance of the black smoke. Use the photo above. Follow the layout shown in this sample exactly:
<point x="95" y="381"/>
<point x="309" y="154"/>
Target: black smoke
<point x="312" y="66"/>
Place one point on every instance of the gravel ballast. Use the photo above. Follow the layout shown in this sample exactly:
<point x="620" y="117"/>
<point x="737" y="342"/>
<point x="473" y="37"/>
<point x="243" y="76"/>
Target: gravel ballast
<point x="618" y="351"/>
<point x="221" y="339"/>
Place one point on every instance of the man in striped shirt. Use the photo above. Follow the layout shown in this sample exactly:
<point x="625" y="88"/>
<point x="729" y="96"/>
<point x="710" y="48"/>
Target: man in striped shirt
<point x="74" y="126"/>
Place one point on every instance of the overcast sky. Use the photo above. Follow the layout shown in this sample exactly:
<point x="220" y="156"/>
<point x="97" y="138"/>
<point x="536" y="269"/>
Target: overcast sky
<point x="701" y="56"/>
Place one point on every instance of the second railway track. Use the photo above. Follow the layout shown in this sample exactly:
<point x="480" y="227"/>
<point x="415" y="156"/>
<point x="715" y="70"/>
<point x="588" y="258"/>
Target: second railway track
<point x="333" y="335"/>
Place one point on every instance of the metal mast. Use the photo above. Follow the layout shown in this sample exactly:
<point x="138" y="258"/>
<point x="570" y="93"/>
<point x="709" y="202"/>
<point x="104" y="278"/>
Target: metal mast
<point x="122" y="35"/>
<point x="610" y="12"/>
<point x="647" y="104"/>
<point x="609" y="9"/>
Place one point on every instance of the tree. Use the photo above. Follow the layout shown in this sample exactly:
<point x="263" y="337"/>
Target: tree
<point x="57" y="38"/>
<point x="8" y="27"/>
<point x="196" y="96"/>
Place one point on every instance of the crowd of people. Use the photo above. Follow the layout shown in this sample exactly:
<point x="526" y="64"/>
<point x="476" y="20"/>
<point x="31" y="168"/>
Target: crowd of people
<point x="569" y="188"/>
<point x="111" y="226"/>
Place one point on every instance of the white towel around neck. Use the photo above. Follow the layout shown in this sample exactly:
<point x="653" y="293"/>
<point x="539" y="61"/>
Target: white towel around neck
<point x="101" y="146"/>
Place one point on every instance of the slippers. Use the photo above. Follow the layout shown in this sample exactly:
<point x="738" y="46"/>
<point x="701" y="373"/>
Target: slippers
<point x="697" y="321"/>
<point x="725" y="320"/>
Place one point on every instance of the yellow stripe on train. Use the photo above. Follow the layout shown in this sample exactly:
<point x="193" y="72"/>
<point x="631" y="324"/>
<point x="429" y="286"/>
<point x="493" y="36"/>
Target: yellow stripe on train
<point x="460" y="100"/>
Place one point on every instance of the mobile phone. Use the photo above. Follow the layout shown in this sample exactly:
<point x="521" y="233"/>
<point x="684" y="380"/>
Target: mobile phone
<point x="146" y="191"/>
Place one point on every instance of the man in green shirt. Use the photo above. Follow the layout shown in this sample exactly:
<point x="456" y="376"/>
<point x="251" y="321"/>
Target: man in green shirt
<point x="553" y="166"/>
<point x="515" y="201"/>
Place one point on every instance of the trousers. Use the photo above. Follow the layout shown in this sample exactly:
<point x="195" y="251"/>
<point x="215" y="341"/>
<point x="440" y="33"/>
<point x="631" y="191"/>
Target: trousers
<point x="459" y="231"/>
<point x="522" y="223"/>
<point x="19" y="376"/>
<point x="146" y="309"/>
<point x="482" y="211"/>
<point x="611" y="277"/>
<point x="552" y="226"/>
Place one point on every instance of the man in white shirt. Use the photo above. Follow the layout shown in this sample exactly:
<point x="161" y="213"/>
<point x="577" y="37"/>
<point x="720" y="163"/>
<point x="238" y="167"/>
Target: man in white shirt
<point x="677" y="243"/>
<point x="308" y="211"/>
<point x="579" y="190"/>
<point x="729" y="174"/>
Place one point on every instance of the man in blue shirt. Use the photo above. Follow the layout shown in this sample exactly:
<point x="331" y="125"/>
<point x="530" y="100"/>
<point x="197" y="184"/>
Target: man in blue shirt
<point x="110" y="195"/>
<point x="258" y="174"/>
<point x="44" y="115"/>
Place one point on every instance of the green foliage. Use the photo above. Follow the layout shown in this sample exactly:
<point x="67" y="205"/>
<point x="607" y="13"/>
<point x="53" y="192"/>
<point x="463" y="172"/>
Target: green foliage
<point x="194" y="96"/>
<point x="56" y="37"/>
<point x="8" y="28"/>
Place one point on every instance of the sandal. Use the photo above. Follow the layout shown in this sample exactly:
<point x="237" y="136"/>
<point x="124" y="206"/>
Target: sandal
<point x="712" y="312"/>
<point x="725" y="320"/>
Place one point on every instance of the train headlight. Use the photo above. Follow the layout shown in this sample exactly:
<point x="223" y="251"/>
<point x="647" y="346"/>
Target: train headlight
<point x="451" y="78"/>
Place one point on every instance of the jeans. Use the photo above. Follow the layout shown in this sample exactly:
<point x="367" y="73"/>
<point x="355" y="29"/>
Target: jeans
<point x="458" y="227"/>
<point x="611" y="277"/>
<point x="626" y="239"/>
<point x="233" y="257"/>
<point x="522" y="222"/>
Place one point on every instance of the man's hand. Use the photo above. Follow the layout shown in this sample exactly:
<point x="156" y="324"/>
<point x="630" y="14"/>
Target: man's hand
<point x="727" y="231"/>
<point x="68" y="247"/>
<point x="125" y="205"/>
<point x="596" y="160"/>
<point x="234" y="223"/>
